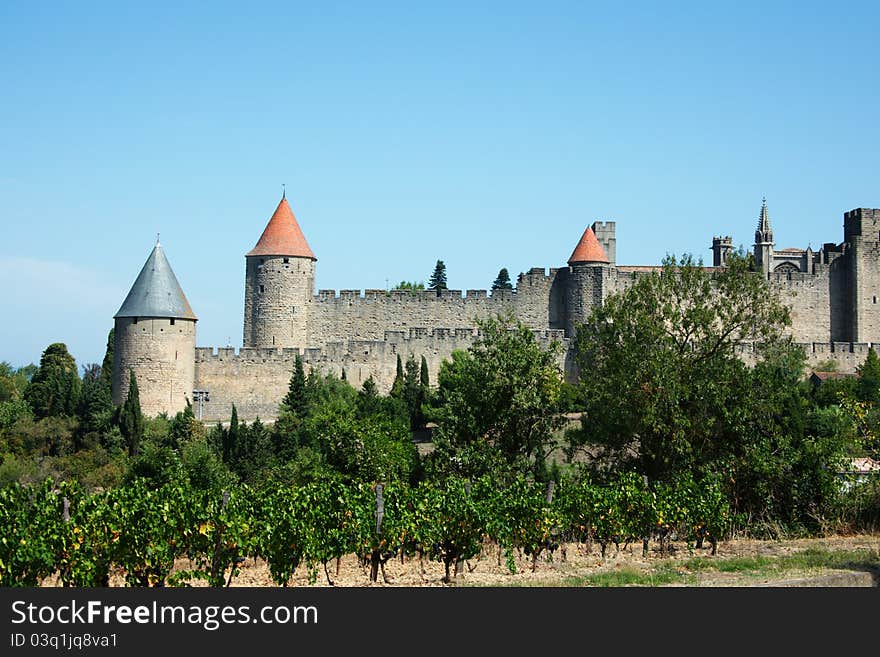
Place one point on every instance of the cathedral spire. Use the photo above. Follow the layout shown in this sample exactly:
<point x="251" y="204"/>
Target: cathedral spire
<point x="764" y="240"/>
<point x="764" y="217"/>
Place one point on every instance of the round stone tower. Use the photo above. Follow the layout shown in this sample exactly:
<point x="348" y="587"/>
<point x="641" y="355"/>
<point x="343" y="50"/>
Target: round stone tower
<point x="279" y="284"/>
<point x="587" y="271"/>
<point x="155" y="336"/>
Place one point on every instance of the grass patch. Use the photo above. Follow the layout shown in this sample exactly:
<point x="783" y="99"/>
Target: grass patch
<point x="662" y="575"/>
<point x="685" y="573"/>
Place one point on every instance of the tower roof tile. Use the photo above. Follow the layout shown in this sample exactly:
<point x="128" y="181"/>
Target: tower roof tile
<point x="156" y="292"/>
<point x="282" y="236"/>
<point x="588" y="249"/>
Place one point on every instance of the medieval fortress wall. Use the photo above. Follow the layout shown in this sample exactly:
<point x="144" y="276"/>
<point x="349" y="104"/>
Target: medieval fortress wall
<point x="256" y="379"/>
<point x="832" y="293"/>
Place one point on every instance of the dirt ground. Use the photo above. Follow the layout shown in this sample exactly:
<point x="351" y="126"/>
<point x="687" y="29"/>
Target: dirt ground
<point x="576" y="561"/>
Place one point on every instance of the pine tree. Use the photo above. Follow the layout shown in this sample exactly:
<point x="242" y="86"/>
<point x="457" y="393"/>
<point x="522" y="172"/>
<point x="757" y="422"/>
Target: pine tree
<point x="502" y="282"/>
<point x="438" y="278"/>
<point x="131" y="420"/>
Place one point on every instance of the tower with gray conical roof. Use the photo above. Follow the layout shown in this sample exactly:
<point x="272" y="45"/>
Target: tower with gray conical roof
<point x="279" y="284"/>
<point x="155" y="336"/>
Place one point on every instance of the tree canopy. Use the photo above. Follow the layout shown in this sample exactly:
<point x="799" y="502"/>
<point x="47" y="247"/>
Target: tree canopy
<point x="55" y="388"/>
<point x="501" y="395"/>
<point x="660" y="376"/>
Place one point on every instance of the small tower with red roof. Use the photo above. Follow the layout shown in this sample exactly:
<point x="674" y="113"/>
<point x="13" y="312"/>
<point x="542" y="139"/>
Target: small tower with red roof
<point x="587" y="280"/>
<point x="279" y="284"/>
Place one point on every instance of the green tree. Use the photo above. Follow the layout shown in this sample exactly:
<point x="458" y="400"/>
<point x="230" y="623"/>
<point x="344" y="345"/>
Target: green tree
<point x="296" y="398"/>
<point x="423" y="374"/>
<point x="868" y="387"/>
<point x="661" y="380"/>
<point x="55" y="387"/>
<point x="437" y="281"/>
<point x="411" y="286"/>
<point x="414" y="391"/>
<point x="502" y="281"/>
<point x="232" y="439"/>
<point x="107" y="363"/>
<point x="397" y="387"/>
<point x="131" y="420"/>
<point x="95" y="406"/>
<point x="500" y="396"/>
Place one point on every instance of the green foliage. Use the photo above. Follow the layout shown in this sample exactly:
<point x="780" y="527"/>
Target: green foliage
<point x="183" y="428"/>
<point x="662" y="383"/>
<point x="868" y="387"/>
<point x="501" y="394"/>
<point x="13" y="382"/>
<point x="148" y="525"/>
<point x="410" y="286"/>
<point x="502" y="281"/>
<point x="437" y="281"/>
<point x="131" y="420"/>
<point x="448" y="521"/>
<point x="95" y="408"/>
<point x="29" y="534"/>
<point x="55" y="388"/>
<point x="203" y="469"/>
<point x="296" y="400"/>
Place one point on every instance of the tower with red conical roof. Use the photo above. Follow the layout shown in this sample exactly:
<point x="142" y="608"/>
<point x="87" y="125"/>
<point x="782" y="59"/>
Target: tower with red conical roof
<point x="279" y="284"/>
<point x="586" y="281"/>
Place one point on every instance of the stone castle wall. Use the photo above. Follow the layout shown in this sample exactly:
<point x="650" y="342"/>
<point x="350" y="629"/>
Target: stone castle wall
<point x="809" y="298"/>
<point x="160" y="351"/>
<point x="350" y="314"/>
<point x="256" y="380"/>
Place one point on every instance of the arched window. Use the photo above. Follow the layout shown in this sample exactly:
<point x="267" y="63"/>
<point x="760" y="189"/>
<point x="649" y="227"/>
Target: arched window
<point x="787" y="268"/>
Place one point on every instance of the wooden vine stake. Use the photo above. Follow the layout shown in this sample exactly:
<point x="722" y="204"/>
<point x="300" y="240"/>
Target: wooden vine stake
<point x="380" y="516"/>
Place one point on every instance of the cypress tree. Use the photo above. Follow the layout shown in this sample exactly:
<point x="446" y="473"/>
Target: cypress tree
<point x="296" y="399"/>
<point x="232" y="439"/>
<point x="107" y="363"/>
<point x="131" y="420"/>
<point x="423" y="375"/>
<point x="399" y="380"/>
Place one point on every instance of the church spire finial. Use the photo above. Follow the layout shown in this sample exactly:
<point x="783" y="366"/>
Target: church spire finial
<point x="157" y="240"/>
<point x="283" y="191"/>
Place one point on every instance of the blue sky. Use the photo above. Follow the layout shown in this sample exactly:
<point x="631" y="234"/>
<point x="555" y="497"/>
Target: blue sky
<point x="487" y="135"/>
